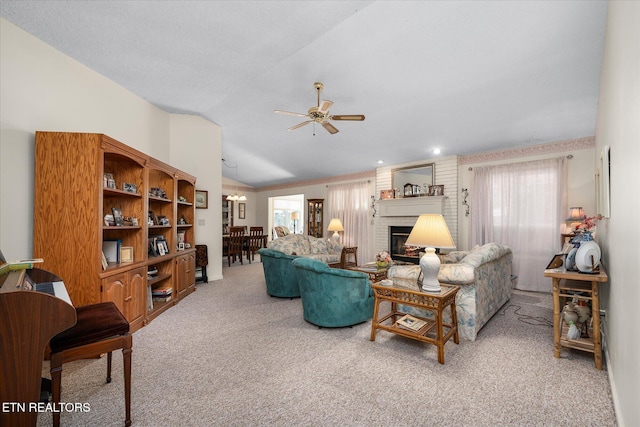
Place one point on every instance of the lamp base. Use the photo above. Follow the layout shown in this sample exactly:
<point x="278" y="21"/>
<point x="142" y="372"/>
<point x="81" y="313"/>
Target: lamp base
<point x="336" y="237"/>
<point x="430" y="267"/>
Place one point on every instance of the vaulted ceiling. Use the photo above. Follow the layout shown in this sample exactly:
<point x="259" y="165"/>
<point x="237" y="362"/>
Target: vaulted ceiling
<point x="461" y="76"/>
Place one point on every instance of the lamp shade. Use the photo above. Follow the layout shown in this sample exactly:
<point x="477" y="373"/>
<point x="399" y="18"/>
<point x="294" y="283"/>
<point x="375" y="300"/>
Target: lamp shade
<point x="431" y="230"/>
<point x="576" y="214"/>
<point x="294" y="215"/>
<point x="335" y="225"/>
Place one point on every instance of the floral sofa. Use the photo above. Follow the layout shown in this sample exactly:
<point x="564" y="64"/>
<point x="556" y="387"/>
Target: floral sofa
<point x="306" y="246"/>
<point x="484" y="277"/>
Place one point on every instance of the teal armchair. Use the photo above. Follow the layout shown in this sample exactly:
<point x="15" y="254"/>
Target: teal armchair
<point x="279" y="273"/>
<point x="332" y="297"/>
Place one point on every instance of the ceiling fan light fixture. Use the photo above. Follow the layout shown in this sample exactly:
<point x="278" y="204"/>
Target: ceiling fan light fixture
<point x="320" y="114"/>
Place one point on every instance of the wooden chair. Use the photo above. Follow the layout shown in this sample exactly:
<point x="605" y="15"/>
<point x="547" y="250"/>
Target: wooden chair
<point x="100" y="328"/>
<point x="202" y="260"/>
<point x="255" y="241"/>
<point x="236" y="242"/>
<point x="349" y="257"/>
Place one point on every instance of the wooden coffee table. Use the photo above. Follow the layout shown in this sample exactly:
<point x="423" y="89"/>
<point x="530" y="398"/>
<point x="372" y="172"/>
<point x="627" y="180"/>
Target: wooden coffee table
<point x="434" y="302"/>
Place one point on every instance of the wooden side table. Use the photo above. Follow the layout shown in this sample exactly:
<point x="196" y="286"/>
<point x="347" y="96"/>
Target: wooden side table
<point x="434" y="302"/>
<point x="584" y="287"/>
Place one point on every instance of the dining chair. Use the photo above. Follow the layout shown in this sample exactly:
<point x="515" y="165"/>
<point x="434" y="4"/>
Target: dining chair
<point x="236" y="242"/>
<point x="255" y="241"/>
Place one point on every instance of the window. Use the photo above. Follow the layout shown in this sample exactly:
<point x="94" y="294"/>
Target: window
<point x="282" y="208"/>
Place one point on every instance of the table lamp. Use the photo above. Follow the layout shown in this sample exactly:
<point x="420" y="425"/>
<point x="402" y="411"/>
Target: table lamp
<point x="430" y="231"/>
<point x="335" y="225"/>
<point x="294" y="217"/>
<point x="576" y="216"/>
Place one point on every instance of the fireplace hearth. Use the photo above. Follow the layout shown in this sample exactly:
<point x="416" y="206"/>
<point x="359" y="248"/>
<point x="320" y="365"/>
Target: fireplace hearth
<point x="399" y="252"/>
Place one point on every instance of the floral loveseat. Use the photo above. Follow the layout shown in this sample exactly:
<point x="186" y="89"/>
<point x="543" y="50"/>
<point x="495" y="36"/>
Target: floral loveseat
<point x="326" y="251"/>
<point x="484" y="277"/>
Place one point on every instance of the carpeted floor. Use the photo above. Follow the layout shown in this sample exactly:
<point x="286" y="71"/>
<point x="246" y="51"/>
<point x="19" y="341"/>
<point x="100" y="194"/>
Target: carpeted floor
<point x="230" y="355"/>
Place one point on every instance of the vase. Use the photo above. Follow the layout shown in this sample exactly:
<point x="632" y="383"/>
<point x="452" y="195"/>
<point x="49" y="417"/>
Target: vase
<point x="382" y="264"/>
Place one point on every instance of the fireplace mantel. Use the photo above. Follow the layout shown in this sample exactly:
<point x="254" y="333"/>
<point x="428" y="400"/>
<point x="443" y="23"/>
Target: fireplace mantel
<point x="412" y="206"/>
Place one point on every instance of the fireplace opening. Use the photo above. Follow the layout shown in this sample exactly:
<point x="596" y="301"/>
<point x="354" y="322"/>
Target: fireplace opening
<point x="399" y="252"/>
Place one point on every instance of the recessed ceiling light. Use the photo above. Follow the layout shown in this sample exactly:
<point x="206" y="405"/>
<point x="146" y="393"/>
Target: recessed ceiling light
<point x="436" y="151"/>
<point x="380" y="162"/>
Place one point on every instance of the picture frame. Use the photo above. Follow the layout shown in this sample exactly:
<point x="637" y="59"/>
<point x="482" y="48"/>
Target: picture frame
<point x="408" y="190"/>
<point x="162" y="220"/>
<point x="436" y="190"/>
<point x="202" y="199"/>
<point x="108" y="181"/>
<point x="556" y="262"/>
<point x="117" y="216"/>
<point x="126" y="254"/>
<point x="129" y="188"/>
<point x="242" y="210"/>
<point x="151" y="218"/>
<point x="386" y="194"/>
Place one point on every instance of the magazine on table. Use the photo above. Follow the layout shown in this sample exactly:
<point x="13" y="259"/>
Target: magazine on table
<point x="411" y="323"/>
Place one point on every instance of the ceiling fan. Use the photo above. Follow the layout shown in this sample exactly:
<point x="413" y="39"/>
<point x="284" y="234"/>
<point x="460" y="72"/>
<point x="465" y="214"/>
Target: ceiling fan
<point x="320" y="114"/>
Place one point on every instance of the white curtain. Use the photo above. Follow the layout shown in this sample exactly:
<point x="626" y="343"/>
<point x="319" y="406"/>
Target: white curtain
<point x="521" y="205"/>
<point x="350" y="203"/>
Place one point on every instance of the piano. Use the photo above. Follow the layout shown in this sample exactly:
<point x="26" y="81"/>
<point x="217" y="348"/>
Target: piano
<point x="34" y="307"/>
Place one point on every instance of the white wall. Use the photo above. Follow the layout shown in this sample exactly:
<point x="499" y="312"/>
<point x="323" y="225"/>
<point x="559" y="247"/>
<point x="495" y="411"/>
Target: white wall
<point x="618" y="126"/>
<point x="43" y="89"/>
<point x="196" y="147"/>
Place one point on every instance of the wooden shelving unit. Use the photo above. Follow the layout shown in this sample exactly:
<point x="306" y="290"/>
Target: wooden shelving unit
<point x="72" y="197"/>
<point x="315" y="214"/>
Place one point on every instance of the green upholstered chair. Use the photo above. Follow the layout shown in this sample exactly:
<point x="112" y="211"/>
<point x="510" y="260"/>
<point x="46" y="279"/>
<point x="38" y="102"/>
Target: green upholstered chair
<point x="332" y="297"/>
<point x="279" y="273"/>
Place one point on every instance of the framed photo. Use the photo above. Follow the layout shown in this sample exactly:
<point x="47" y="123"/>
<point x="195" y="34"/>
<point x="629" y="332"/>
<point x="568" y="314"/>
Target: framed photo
<point x="202" y="199"/>
<point x="408" y="190"/>
<point x="117" y="216"/>
<point x="129" y="188"/>
<point x="126" y="254"/>
<point x="386" y="194"/>
<point x="556" y="262"/>
<point x="436" y="190"/>
<point x="108" y="181"/>
<point x="241" y="210"/>
<point x="151" y="218"/>
<point x="162" y="220"/>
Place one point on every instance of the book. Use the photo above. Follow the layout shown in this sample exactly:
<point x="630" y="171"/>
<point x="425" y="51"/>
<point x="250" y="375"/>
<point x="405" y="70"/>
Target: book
<point x="22" y="264"/>
<point x="411" y="323"/>
<point x="111" y="249"/>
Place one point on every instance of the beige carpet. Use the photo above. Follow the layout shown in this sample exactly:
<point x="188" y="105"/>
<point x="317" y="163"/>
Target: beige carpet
<point x="230" y="355"/>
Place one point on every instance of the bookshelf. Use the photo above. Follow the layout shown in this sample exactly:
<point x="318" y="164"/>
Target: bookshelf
<point x="81" y="179"/>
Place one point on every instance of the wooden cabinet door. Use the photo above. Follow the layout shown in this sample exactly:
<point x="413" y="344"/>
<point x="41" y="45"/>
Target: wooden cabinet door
<point x="114" y="288"/>
<point x="181" y="274"/>
<point x="191" y="273"/>
<point x="136" y="299"/>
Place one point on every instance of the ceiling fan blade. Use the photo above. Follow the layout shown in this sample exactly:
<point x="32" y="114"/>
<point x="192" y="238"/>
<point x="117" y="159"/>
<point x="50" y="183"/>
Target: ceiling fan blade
<point x="289" y="113"/>
<point x="324" y="106"/>
<point x="356" y="117"/>
<point x="299" y="125"/>
<point x="330" y="128"/>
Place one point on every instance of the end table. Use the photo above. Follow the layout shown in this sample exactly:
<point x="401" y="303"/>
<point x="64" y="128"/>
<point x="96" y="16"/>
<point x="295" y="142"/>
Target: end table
<point x="584" y="287"/>
<point x="434" y="302"/>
